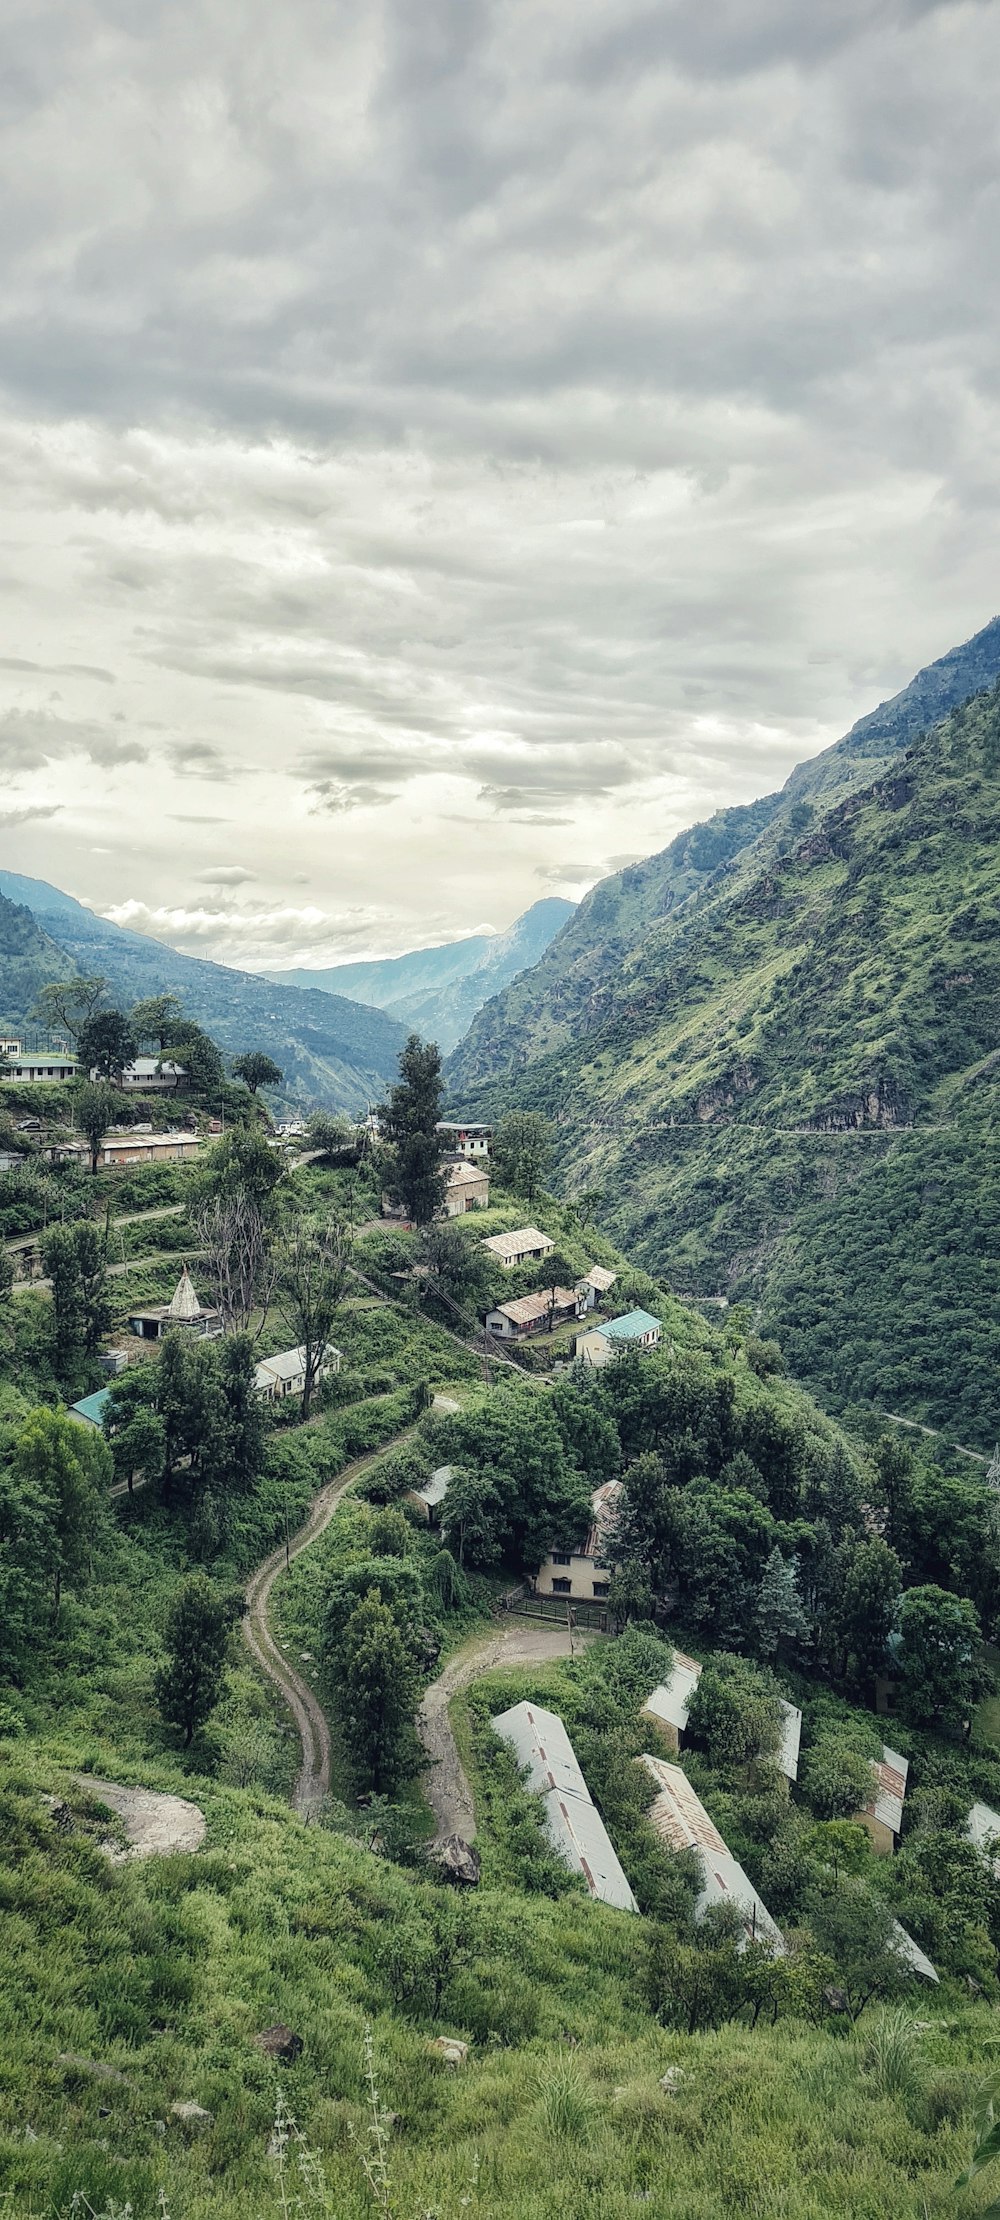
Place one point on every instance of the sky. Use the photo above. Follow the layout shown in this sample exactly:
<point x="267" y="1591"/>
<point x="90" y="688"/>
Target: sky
<point x="448" y="449"/>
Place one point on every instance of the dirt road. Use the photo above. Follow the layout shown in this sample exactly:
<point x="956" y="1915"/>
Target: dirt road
<point x="313" y="1778"/>
<point x="446" y="1784"/>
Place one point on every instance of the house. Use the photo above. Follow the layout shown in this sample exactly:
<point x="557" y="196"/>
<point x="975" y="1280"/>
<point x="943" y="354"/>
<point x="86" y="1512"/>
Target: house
<point x="883" y="1815"/>
<point x="534" y="1314"/>
<point x="147" y="1148"/>
<point x="983" y="1828"/>
<point x="152" y="1075"/>
<point x="573" y="1823"/>
<point x="31" y="1067"/>
<point x="472" y="1141"/>
<point x="600" y="1279"/>
<point x="428" y="1499"/>
<point x="467" y="1187"/>
<point x="525" y="1246"/>
<point x="285" y="1374"/>
<point x="183" y="1310"/>
<point x="635" y="1329"/>
<point x="668" y="1706"/>
<point x="679" y="1817"/>
<point x="583" y="1572"/>
<point x="90" y="1408"/>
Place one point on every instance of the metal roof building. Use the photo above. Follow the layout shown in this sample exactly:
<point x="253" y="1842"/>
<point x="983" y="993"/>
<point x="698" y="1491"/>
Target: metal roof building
<point x="890" y="1772"/>
<point x="916" y="1958"/>
<point x="573" y="1823"/>
<point x="90" y="1408"/>
<point x="791" y="1736"/>
<point x="680" y="1819"/>
<point x="668" y="1704"/>
<point x="983" y="1828"/>
<point x="525" y="1244"/>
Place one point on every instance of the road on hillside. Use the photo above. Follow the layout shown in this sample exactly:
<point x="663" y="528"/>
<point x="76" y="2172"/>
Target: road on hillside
<point x="446" y="1783"/>
<point x="313" y="1779"/>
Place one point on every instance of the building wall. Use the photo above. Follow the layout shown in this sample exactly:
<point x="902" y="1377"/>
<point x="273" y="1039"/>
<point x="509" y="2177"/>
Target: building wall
<point x="584" y="1574"/>
<point x="882" y="1837"/>
<point x="669" y="1733"/>
<point x="594" y="1348"/>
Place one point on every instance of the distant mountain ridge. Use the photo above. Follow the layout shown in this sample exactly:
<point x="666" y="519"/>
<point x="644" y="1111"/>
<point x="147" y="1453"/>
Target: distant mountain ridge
<point x="438" y="990"/>
<point x="336" y="1054"/>
<point x="586" y="969"/>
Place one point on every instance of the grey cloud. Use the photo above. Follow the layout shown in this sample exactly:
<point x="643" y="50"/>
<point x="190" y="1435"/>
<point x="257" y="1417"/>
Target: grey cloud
<point x="28" y="814"/>
<point x="31" y="738"/>
<point x="56" y="670"/>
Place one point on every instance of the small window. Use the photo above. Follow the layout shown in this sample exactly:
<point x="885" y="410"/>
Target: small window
<point x="600" y="1590"/>
<point x="559" y="1560"/>
<point x="562" y="1587"/>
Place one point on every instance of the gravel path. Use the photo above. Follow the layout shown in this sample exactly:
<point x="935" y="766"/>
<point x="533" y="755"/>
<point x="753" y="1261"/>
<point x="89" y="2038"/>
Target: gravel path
<point x="313" y="1778"/>
<point x="446" y="1784"/>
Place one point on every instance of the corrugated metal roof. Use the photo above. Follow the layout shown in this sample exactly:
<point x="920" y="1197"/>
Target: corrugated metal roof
<point x="467" y="1174"/>
<point x="91" y="1407"/>
<point x="600" y="1277"/>
<point x="602" y="1506"/>
<point x="791" y="1736"/>
<point x="911" y="1951"/>
<point x="670" y="1701"/>
<point x="437" y="1486"/>
<point x="523" y="1309"/>
<point x="542" y="1746"/>
<point x="889" y="1774"/>
<point x="630" y="1326"/>
<point x="519" y="1243"/>
<point x="577" y="1831"/>
<point x="983" y="1828"/>
<point x="680" y="1819"/>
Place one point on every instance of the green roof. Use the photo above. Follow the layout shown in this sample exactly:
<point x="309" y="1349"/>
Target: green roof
<point x="91" y="1407"/>
<point x="630" y="1327"/>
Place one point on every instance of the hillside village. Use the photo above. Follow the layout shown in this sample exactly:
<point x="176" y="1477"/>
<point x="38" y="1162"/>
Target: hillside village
<point x="353" y="1476"/>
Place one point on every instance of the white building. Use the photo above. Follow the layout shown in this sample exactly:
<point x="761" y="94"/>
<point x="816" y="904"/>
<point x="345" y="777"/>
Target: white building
<point x="285" y="1374"/>
<point x="37" y="1066"/>
<point x="679" y="1818"/>
<point x="573" y="1823"/>
<point x="983" y="1828"/>
<point x="183" y="1310"/>
<point x="472" y="1141"/>
<point x="430" y="1497"/>
<point x="524" y="1246"/>
<point x="583" y="1572"/>
<point x="152" y="1075"/>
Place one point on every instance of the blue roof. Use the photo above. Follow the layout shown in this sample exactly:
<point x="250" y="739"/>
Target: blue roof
<point x="630" y="1327"/>
<point x="91" y="1407"/>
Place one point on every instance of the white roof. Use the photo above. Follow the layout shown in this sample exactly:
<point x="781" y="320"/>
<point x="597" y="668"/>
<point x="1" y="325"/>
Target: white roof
<point x="519" y="1243"/>
<point x="151" y="1067"/>
<point x="680" y="1819"/>
<point x="289" y="1364"/>
<point x="670" y="1701"/>
<point x="437" y="1486"/>
<point x="983" y="1828"/>
<point x="543" y="1748"/>
<point x="889" y="1777"/>
<point x="914" y="1956"/>
<point x="600" y="1277"/>
<point x="791" y="1736"/>
<point x="184" y="1303"/>
<point x="577" y="1831"/>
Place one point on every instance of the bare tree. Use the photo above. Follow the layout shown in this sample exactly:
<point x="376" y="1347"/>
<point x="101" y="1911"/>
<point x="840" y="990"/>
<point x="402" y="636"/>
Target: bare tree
<point x="312" y="1275"/>
<point x="242" y="1260"/>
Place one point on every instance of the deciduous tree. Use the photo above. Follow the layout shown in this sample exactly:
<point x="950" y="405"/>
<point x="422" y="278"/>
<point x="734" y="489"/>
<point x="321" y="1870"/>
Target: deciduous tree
<point x="522" y="1151"/>
<point x="378" y="1692"/>
<point x="107" y="1043"/>
<point x="311" y="1278"/>
<point x="189" y="1685"/>
<point x="95" y="1105"/>
<point x="939" y="1660"/>
<point x="257" y="1070"/>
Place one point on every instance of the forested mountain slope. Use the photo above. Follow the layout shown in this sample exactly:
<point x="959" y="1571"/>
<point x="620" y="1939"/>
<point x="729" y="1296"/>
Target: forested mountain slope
<point x="28" y="957"/>
<point x="334" y="1053"/>
<point x="568" y="992"/>
<point x="439" y="990"/>
<point x="799" y="1102"/>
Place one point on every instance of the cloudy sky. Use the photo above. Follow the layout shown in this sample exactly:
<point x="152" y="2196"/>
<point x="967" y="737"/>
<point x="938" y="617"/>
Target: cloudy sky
<point x="448" y="448"/>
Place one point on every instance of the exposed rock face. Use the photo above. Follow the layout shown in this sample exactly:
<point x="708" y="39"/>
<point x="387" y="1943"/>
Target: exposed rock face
<point x="279" y="2042"/>
<point x="879" y="1105"/>
<point x="155" y="1825"/>
<point x="458" y="1860"/>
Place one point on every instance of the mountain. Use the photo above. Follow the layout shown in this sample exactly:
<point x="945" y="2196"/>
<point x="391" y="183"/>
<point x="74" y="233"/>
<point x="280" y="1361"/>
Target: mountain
<point x="335" y="1054"/>
<point x="438" y="990"/>
<point x="796" y="1098"/>
<point x="571" y="989"/>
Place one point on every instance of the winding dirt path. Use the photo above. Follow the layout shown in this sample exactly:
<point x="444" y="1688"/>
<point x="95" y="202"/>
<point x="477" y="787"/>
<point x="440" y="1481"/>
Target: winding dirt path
<point x="446" y="1783"/>
<point x="313" y="1778"/>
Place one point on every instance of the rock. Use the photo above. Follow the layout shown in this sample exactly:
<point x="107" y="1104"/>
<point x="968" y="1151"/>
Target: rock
<point x="450" y="2050"/>
<point x="192" y="2117"/>
<point x="670" y="2081"/>
<point x="458" y="1860"/>
<point x="95" y="2068"/>
<point x="279" y="2042"/>
<point x="836" y="1999"/>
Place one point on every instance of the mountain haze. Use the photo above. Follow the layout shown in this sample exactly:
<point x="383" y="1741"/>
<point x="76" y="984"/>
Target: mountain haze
<point x="571" y="990"/>
<point x="334" y="1053"/>
<point x="438" y="990"/>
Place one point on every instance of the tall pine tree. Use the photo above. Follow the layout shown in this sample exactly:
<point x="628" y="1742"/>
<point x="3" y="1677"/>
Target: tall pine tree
<point x="408" y="1120"/>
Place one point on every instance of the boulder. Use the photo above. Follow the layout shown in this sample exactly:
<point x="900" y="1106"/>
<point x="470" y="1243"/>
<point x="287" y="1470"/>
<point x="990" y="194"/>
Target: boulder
<point x="670" y="2081"/>
<point x="279" y="2042"/>
<point x="450" y="2050"/>
<point x="458" y="1860"/>
<point x="192" y="2117"/>
<point x="96" y="2069"/>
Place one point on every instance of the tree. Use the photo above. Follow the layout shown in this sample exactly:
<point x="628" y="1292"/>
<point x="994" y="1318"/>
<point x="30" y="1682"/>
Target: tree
<point x="234" y="1218"/>
<point x="522" y="1151"/>
<point x="735" y="1711"/>
<point x="94" y="1107"/>
<point x="139" y="1447"/>
<point x="864" y="1610"/>
<point x="244" y="1162"/>
<point x="836" y="1777"/>
<point x="107" y="1044"/>
<point x="153" y="1019"/>
<point x="408" y="1121"/>
<point x="189" y="1685"/>
<point x="378" y="1691"/>
<point x="781" y="1619"/>
<point x="473" y="1518"/>
<point x="857" y="1931"/>
<point x="66" y="1468"/>
<point x="76" y="1262"/>
<point x="65" y="1005"/>
<point x="257" y="1070"/>
<point x="940" y="1645"/>
<point x="200" y="1058"/>
<point x="333" y="1136"/>
<point x="312" y="1276"/>
<point x="459" y="1267"/>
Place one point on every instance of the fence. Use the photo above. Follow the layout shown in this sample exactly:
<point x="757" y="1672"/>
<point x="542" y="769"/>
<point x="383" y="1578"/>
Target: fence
<point x="595" y="1617"/>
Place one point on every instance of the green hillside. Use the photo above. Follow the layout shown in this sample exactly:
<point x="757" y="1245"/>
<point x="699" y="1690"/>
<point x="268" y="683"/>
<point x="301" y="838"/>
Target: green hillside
<point x="572" y="990"/>
<point x="28" y="957"/>
<point x="798" y="1102"/>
